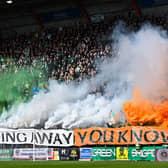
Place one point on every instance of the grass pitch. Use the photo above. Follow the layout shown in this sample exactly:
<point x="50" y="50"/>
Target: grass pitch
<point x="78" y="164"/>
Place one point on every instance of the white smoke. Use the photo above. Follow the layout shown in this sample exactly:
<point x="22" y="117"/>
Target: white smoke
<point x="141" y="61"/>
<point x="145" y="56"/>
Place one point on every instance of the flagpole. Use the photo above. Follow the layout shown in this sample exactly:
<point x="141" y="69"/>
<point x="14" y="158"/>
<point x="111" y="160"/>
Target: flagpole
<point x="34" y="145"/>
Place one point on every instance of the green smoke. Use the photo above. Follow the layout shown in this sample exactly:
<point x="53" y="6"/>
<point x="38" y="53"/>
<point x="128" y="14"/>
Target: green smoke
<point x="16" y="83"/>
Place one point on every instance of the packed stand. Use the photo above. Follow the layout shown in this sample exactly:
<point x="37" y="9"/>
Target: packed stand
<point x="64" y="54"/>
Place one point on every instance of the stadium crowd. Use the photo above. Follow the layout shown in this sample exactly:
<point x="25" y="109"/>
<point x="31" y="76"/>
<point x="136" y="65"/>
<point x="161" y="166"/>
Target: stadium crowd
<point x="63" y="54"/>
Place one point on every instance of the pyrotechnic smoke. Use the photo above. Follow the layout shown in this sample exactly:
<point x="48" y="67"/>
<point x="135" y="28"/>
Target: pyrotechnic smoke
<point x="141" y="61"/>
<point x="15" y="80"/>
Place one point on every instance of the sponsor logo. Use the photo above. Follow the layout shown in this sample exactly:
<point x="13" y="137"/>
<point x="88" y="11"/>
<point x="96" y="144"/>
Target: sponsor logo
<point x="162" y="154"/>
<point x="85" y="153"/>
<point x="143" y="153"/>
<point x="103" y="152"/>
<point x="73" y="153"/>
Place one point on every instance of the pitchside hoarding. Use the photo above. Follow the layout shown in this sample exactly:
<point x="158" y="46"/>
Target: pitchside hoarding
<point x="161" y="154"/>
<point x="6" y="154"/>
<point x="55" y="154"/>
<point x="121" y="153"/>
<point x="145" y="153"/>
<point x="68" y="153"/>
<point x="103" y="153"/>
<point x="30" y="153"/>
<point x="85" y="153"/>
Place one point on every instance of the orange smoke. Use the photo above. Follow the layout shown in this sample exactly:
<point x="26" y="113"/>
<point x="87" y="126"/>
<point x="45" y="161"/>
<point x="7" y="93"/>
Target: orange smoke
<point x="141" y="111"/>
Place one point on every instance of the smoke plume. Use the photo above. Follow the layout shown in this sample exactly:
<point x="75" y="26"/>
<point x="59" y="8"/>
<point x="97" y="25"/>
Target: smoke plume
<point x="141" y="61"/>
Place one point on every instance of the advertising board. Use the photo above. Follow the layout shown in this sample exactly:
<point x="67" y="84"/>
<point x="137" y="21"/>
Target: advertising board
<point x="68" y="153"/>
<point x="6" y="154"/>
<point x="103" y="153"/>
<point x="85" y="153"/>
<point x="145" y="153"/>
<point x="121" y="153"/>
<point x="161" y="154"/>
<point x="30" y="153"/>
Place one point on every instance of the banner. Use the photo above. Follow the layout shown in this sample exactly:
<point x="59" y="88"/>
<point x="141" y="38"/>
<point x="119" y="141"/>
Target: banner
<point x="30" y="153"/>
<point x="121" y="153"/>
<point x="161" y="154"/>
<point x="69" y="154"/>
<point x="103" y="153"/>
<point x="121" y="136"/>
<point x="37" y="137"/>
<point x="145" y="153"/>
<point x="85" y="153"/>
<point x="6" y="154"/>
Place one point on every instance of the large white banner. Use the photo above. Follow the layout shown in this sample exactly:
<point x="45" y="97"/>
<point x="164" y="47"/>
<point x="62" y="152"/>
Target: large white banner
<point x="37" y="137"/>
<point x="30" y="153"/>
